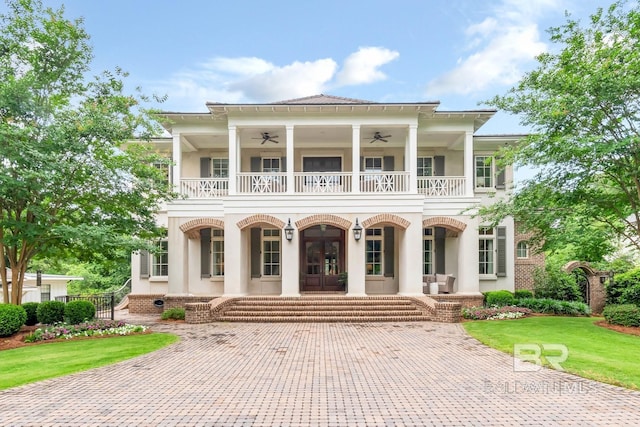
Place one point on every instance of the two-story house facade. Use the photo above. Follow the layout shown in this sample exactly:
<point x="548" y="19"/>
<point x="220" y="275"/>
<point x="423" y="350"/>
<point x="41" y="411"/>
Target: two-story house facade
<point x="328" y="194"/>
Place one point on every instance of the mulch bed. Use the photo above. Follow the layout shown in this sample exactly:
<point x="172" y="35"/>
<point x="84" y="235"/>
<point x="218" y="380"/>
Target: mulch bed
<point x="631" y="330"/>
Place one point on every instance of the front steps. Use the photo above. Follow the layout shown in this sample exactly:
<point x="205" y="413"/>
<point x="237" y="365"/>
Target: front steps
<point x="322" y="308"/>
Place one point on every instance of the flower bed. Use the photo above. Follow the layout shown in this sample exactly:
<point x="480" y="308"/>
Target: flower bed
<point x="495" y="313"/>
<point x="86" y="329"/>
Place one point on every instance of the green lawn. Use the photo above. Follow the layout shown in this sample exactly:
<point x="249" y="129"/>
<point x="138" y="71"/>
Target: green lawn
<point x="34" y="363"/>
<point x="594" y="352"/>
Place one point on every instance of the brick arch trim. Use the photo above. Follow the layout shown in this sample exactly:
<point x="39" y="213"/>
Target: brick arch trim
<point x="260" y="219"/>
<point x="386" y="218"/>
<point x="327" y="219"/>
<point x="572" y="265"/>
<point x="445" y="222"/>
<point x="192" y="228"/>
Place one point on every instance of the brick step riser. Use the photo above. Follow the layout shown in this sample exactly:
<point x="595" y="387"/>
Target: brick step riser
<point x="323" y="303"/>
<point x="325" y="319"/>
<point x="323" y="298"/>
<point x="244" y="307"/>
<point x="280" y="313"/>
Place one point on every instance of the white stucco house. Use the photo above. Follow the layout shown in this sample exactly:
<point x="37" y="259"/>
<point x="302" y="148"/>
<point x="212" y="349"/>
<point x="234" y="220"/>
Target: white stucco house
<point x="51" y="286"/>
<point x="294" y="197"/>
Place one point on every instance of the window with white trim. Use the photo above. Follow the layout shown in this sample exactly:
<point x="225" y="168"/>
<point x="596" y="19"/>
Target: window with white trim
<point x="522" y="250"/>
<point x="165" y="168"/>
<point x="373" y="252"/>
<point x="427" y="251"/>
<point x="160" y="259"/>
<point x="271" y="164"/>
<point x="271" y="252"/>
<point x="217" y="252"/>
<point x="220" y="167"/>
<point x="484" y="171"/>
<point x="373" y="164"/>
<point x="425" y="166"/>
<point x="486" y="250"/>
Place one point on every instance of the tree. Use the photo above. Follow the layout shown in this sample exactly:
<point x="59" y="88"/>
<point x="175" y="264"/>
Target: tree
<point x="583" y="106"/>
<point x="66" y="184"/>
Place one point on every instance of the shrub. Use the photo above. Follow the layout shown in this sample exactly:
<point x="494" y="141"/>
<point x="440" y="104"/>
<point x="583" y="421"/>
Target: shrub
<point x="555" y="284"/>
<point x="522" y="293"/>
<point x="631" y="295"/>
<point x="173" y="313"/>
<point x="494" y="313"/>
<point x="12" y="317"/>
<point x="498" y="298"/>
<point x="552" y="306"/>
<point x="50" y="312"/>
<point x="620" y="283"/>
<point x="31" y="308"/>
<point x="623" y="314"/>
<point x="79" y="311"/>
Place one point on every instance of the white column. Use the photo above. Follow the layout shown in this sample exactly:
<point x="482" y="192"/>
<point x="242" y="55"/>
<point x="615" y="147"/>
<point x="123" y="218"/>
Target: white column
<point x="234" y="156"/>
<point x="468" y="164"/>
<point x="355" y="161"/>
<point x="236" y="254"/>
<point x="410" y="258"/>
<point x="468" y="277"/>
<point x="355" y="263"/>
<point x="291" y="265"/>
<point x="412" y="158"/>
<point x="178" y="261"/>
<point x="290" y="161"/>
<point x="177" y="162"/>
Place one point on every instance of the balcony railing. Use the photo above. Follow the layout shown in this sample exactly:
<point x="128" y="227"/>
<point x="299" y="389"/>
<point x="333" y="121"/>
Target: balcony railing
<point x="441" y="186"/>
<point x="204" y="188"/>
<point x="323" y="182"/>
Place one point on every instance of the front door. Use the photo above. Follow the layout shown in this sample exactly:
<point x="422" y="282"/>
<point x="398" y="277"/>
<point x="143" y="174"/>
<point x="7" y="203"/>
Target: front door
<point x="322" y="258"/>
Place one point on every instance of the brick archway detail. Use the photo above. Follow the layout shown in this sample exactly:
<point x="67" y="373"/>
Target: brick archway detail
<point x="572" y="265"/>
<point x="327" y="219"/>
<point x="386" y="218"/>
<point x="192" y="228"/>
<point x="444" y="222"/>
<point x="260" y="219"/>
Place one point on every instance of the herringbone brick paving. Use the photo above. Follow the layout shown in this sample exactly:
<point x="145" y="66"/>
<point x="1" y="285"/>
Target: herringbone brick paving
<point x="325" y="374"/>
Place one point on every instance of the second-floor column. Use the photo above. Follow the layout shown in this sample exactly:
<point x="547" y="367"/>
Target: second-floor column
<point x="468" y="164"/>
<point x="412" y="156"/>
<point x="355" y="159"/>
<point x="290" y="160"/>
<point x="234" y="157"/>
<point x="177" y="162"/>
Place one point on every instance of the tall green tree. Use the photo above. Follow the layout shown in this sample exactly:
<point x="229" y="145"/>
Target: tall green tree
<point x="582" y="103"/>
<point x="66" y="183"/>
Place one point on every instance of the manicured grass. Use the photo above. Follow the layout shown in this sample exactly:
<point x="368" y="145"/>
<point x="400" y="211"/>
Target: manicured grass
<point x="594" y="352"/>
<point x="34" y="363"/>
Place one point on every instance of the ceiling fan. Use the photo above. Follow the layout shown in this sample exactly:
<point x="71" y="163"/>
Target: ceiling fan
<point x="377" y="136"/>
<point x="267" y="137"/>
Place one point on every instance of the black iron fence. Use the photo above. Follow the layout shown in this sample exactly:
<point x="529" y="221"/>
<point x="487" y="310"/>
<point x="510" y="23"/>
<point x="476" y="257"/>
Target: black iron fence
<point x="104" y="303"/>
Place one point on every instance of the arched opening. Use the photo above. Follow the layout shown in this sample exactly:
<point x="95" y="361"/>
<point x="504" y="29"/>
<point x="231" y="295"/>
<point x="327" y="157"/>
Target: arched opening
<point x="322" y="259"/>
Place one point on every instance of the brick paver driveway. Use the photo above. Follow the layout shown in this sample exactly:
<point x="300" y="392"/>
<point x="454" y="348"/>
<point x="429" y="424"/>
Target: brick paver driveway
<point x="382" y="374"/>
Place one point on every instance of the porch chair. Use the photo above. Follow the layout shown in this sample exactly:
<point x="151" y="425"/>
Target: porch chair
<point x="445" y="283"/>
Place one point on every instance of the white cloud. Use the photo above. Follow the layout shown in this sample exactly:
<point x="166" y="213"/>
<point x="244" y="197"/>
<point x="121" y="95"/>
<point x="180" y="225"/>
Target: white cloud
<point x="251" y="79"/>
<point x="500" y="47"/>
<point x="361" y="67"/>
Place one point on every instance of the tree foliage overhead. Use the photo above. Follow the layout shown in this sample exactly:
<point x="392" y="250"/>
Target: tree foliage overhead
<point x="66" y="185"/>
<point x="583" y="105"/>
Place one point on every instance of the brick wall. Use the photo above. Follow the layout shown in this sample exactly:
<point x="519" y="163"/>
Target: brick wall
<point x="143" y="303"/>
<point x="198" y="312"/>
<point x="524" y="267"/>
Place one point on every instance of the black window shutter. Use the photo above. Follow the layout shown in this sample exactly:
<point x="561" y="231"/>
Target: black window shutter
<point x="205" y="252"/>
<point x="144" y="264"/>
<point x="283" y="164"/>
<point x="439" y="235"/>
<point x="361" y="163"/>
<point x="438" y="166"/>
<point x="389" y="252"/>
<point x="501" y="246"/>
<point x="500" y="185"/>
<point x="255" y="252"/>
<point x="205" y="167"/>
<point x="256" y="163"/>
<point x="388" y="163"/>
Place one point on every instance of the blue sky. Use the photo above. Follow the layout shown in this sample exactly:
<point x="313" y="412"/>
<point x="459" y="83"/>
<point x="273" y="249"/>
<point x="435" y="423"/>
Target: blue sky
<point x="459" y="52"/>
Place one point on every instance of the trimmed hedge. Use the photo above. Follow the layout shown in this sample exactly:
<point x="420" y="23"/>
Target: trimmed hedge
<point x="622" y="314"/>
<point x="522" y="293"/>
<point x="553" y="306"/>
<point x="621" y="282"/>
<point x="175" y="313"/>
<point x="498" y="298"/>
<point x="50" y="312"/>
<point x="631" y="295"/>
<point x="79" y="311"/>
<point x="12" y="317"/>
<point x="31" y="308"/>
